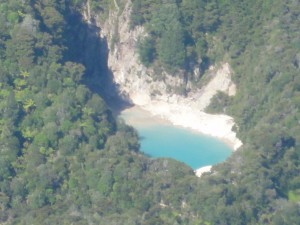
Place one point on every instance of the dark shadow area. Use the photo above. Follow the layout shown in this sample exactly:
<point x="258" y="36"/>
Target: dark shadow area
<point x="99" y="76"/>
<point x="92" y="51"/>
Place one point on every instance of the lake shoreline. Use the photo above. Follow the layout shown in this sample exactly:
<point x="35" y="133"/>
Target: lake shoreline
<point x="201" y="170"/>
<point x="137" y="116"/>
<point x="145" y="122"/>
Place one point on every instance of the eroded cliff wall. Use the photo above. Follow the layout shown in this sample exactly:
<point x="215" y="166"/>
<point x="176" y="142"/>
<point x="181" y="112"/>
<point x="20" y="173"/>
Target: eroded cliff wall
<point x="159" y="94"/>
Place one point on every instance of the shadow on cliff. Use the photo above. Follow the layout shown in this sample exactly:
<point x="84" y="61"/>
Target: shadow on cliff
<point x="98" y="77"/>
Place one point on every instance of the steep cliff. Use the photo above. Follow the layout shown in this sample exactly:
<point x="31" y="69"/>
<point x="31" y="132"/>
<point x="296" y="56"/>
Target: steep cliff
<point x="161" y="95"/>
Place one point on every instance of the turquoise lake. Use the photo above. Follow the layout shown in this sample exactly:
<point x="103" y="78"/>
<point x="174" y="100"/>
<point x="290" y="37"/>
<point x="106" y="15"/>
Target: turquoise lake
<point x="160" y="139"/>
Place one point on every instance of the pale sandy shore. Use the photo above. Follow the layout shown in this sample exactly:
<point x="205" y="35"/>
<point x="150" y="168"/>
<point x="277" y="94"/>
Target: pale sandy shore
<point x="188" y="111"/>
<point x="138" y="84"/>
<point x="138" y="117"/>
<point x="204" y="169"/>
<point x="185" y="111"/>
<point x="187" y="116"/>
<point x="218" y="126"/>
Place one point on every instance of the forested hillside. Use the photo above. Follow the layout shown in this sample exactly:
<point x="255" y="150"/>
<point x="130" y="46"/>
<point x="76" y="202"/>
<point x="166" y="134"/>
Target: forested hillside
<point x="64" y="158"/>
<point x="260" y="183"/>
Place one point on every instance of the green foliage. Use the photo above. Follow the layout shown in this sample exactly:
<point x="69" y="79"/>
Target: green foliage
<point x="64" y="158"/>
<point x="147" y="51"/>
<point x="178" y="29"/>
<point x="219" y="103"/>
<point x="171" y="50"/>
<point x="259" y="184"/>
<point x="294" y="196"/>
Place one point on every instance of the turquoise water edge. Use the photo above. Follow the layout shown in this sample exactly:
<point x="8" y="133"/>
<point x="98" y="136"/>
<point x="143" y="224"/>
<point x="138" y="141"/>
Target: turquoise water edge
<point x="159" y="139"/>
<point x="183" y="145"/>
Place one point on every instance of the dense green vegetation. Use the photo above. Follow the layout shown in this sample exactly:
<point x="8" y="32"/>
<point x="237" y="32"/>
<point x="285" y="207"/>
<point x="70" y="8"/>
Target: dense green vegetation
<point x="177" y="30"/>
<point x="65" y="159"/>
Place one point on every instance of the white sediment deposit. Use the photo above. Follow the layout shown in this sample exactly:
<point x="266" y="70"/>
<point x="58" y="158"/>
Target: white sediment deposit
<point x="202" y="170"/>
<point x="156" y="95"/>
<point x="189" y="111"/>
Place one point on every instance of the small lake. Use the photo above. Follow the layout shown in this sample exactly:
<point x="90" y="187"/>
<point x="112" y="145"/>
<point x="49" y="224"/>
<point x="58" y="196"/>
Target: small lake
<point x="158" y="138"/>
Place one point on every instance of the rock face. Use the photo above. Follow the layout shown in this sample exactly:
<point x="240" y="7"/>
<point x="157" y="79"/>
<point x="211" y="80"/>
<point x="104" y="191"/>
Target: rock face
<point x="138" y="84"/>
<point x="135" y="80"/>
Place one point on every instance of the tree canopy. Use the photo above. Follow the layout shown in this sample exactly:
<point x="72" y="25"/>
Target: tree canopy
<point x="65" y="159"/>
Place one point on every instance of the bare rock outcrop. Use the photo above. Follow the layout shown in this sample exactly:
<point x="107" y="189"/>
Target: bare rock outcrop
<point x="143" y="87"/>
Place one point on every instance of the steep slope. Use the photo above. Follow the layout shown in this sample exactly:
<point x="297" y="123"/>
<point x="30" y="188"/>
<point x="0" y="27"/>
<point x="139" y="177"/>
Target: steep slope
<point x="260" y="42"/>
<point x="160" y="93"/>
<point x="66" y="160"/>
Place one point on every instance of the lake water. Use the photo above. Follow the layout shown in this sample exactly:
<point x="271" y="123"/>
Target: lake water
<point x="158" y="138"/>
